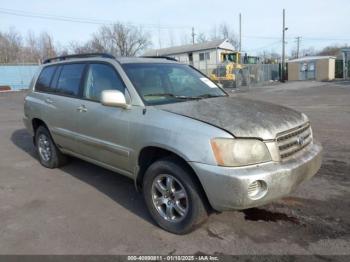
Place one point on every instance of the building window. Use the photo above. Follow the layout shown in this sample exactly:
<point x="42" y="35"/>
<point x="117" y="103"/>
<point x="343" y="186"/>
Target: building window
<point x="204" y="56"/>
<point x="207" y="56"/>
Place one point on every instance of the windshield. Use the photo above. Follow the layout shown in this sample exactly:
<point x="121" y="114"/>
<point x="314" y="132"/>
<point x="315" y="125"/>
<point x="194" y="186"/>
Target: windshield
<point x="169" y="83"/>
<point x="232" y="57"/>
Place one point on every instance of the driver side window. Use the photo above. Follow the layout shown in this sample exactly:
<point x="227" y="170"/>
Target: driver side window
<point x="100" y="77"/>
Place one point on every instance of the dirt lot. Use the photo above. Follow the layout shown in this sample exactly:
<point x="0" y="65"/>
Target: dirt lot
<point x="84" y="209"/>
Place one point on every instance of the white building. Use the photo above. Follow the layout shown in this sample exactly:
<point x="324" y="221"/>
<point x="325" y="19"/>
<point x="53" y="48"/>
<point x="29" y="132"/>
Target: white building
<point x="203" y="56"/>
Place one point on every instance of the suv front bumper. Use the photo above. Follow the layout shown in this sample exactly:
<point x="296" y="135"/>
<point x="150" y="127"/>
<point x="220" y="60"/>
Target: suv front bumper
<point x="227" y="187"/>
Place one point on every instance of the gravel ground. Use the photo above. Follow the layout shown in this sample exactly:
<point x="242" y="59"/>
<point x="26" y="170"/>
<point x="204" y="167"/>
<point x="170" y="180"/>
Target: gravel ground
<point x="84" y="209"/>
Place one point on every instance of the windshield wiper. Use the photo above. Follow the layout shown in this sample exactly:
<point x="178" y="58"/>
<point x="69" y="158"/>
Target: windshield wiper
<point x="206" y="96"/>
<point x="173" y="96"/>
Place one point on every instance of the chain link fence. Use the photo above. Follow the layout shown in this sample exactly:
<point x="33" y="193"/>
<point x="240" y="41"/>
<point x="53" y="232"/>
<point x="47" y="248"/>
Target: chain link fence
<point x="243" y="78"/>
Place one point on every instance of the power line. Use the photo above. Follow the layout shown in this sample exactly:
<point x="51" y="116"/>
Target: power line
<point x="293" y="37"/>
<point x="260" y="37"/>
<point x="79" y="20"/>
<point x="326" y="39"/>
<point x="22" y="13"/>
<point x="265" y="46"/>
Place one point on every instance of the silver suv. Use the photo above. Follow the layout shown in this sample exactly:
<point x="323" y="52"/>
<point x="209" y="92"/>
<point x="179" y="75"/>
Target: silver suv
<point x="189" y="147"/>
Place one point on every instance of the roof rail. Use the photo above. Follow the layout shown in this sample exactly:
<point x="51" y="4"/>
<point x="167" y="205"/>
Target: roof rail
<point x="65" y="57"/>
<point x="163" y="57"/>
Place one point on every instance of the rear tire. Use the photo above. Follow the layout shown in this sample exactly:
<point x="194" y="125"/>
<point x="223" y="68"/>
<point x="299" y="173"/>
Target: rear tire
<point x="176" y="206"/>
<point x="49" y="155"/>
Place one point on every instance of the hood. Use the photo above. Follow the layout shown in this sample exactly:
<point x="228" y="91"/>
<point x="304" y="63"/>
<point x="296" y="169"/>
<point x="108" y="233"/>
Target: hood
<point x="240" y="116"/>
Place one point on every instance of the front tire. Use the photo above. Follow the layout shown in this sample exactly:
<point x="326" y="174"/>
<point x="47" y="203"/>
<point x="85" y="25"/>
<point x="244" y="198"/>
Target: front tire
<point x="173" y="197"/>
<point x="49" y="155"/>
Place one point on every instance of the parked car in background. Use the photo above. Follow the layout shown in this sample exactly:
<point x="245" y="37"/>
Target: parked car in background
<point x="188" y="146"/>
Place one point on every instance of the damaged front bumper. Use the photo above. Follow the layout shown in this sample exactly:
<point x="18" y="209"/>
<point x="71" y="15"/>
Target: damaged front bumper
<point x="230" y="188"/>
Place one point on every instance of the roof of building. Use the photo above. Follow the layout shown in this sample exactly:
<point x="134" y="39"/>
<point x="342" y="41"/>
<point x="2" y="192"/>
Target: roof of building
<point x="308" y="58"/>
<point x="188" y="48"/>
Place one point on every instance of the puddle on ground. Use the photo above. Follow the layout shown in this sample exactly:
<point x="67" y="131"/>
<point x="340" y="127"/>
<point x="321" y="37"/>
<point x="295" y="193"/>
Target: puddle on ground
<point x="257" y="214"/>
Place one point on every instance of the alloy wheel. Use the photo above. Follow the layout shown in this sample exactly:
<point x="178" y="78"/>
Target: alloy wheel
<point x="169" y="198"/>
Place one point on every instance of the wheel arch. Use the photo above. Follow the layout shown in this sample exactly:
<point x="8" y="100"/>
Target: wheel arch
<point x="36" y="122"/>
<point x="150" y="154"/>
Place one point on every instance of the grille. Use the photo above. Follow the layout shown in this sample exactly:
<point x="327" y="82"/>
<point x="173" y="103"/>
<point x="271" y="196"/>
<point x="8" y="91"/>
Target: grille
<point x="293" y="141"/>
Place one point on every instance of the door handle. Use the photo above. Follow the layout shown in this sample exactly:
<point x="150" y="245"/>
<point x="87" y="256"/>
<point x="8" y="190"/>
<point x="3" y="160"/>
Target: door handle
<point x="82" y="108"/>
<point x="49" y="101"/>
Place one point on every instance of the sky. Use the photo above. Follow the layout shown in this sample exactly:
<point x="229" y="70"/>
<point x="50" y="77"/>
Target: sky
<point x="318" y="22"/>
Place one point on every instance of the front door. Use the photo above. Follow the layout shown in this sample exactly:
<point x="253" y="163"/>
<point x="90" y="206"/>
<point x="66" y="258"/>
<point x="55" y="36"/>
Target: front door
<point x="307" y="71"/>
<point x="190" y="58"/>
<point x="103" y="131"/>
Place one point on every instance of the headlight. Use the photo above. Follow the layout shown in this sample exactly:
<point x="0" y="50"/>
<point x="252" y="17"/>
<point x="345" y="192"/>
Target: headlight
<point x="239" y="152"/>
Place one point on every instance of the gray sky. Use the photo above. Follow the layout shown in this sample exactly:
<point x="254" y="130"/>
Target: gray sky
<point x="320" y="23"/>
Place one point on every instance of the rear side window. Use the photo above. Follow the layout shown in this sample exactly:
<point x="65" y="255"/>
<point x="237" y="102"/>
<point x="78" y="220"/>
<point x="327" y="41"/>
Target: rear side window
<point x="44" y="80"/>
<point x="69" y="80"/>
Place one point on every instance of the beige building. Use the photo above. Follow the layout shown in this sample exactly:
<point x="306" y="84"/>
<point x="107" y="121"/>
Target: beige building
<point x="319" y="68"/>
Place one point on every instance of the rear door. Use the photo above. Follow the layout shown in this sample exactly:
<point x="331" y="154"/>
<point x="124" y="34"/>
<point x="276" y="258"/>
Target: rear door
<point x="62" y="104"/>
<point x="103" y="130"/>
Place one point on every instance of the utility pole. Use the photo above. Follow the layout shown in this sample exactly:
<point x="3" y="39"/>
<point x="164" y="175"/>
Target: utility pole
<point x="284" y="29"/>
<point x="240" y="32"/>
<point x="298" y="38"/>
<point x="193" y="35"/>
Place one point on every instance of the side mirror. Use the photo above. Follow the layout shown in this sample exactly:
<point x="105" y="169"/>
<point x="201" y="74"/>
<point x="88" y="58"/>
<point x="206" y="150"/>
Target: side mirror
<point x="113" y="98"/>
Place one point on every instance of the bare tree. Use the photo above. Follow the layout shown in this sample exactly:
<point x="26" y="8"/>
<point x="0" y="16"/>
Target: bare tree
<point x="46" y="45"/>
<point x="224" y="31"/>
<point x="307" y="51"/>
<point x="227" y="33"/>
<point x="185" y="39"/>
<point x="30" y="50"/>
<point x="333" y="50"/>
<point x="171" y="37"/>
<point x="269" y="57"/>
<point x="78" y="48"/>
<point x="10" y="46"/>
<point x="202" y="38"/>
<point x="120" y="40"/>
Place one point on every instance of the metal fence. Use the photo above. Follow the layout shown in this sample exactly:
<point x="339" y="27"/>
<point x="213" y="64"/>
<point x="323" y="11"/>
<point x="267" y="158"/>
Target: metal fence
<point x="249" y="75"/>
<point x="17" y="77"/>
<point x="339" y="69"/>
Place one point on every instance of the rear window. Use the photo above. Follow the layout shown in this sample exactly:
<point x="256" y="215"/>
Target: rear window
<point x="44" y="80"/>
<point x="69" y="80"/>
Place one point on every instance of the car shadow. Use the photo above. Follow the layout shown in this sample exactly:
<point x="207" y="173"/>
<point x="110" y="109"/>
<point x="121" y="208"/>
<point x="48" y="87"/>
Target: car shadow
<point x="117" y="187"/>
